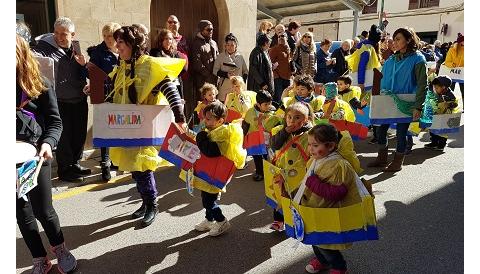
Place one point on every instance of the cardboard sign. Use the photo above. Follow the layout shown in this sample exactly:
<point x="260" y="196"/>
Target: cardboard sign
<point x="232" y="115"/>
<point x="47" y="68"/>
<point x="456" y="74"/>
<point x="125" y="125"/>
<point x="368" y="79"/>
<point x="383" y="109"/>
<point x="446" y="123"/>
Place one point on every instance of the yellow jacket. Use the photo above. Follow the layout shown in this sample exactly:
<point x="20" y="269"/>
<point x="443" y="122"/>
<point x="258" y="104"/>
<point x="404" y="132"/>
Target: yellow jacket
<point x="229" y="139"/>
<point x="354" y="59"/>
<point x="355" y="92"/>
<point x="454" y="58"/>
<point x="316" y="103"/>
<point x="349" y="115"/>
<point x="292" y="161"/>
<point x="149" y="71"/>
<point x="241" y="102"/>
<point x="335" y="171"/>
<point x="347" y="150"/>
<point x="252" y="116"/>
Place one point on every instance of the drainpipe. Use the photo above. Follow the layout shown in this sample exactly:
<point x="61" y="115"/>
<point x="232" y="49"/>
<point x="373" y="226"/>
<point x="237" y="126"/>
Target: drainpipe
<point x="356" y="10"/>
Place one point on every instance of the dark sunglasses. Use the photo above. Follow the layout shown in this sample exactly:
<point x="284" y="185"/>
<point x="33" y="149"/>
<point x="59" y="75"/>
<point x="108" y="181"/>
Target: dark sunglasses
<point x="172" y="22"/>
<point x="209" y="29"/>
<point x="281" y="35"/>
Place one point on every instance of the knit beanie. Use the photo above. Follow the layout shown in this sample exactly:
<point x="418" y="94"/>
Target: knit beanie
<point x="203" y="24"/>
<point x="331" y="90"/>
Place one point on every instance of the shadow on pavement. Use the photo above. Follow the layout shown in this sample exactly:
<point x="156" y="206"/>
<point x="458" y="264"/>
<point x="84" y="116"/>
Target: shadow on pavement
<point x="425" y="236"/>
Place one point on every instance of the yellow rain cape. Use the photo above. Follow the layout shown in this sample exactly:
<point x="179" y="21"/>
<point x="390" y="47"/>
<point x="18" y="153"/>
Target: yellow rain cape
<point x="149" y="72"/>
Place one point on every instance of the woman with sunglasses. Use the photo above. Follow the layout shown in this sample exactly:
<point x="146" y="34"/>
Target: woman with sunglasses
<point x="305" y="57"/>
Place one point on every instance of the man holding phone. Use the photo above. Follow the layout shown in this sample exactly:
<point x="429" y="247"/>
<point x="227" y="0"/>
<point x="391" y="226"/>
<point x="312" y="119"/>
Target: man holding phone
<point x="70" y="79"/>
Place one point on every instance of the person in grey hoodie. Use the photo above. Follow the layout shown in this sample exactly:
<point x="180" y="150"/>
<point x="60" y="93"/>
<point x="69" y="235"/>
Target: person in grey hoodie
<point x="70" y="80"/>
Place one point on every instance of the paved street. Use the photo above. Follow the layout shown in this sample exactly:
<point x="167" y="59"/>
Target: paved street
<point x="419" y="210"/>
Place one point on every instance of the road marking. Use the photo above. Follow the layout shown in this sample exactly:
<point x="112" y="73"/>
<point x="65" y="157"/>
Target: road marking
<point x="91" y="187"/>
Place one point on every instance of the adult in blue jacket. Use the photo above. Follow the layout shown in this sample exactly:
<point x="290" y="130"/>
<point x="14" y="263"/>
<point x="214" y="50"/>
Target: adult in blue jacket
<point x="405" y="72"/>
<point x="105" y="56"/>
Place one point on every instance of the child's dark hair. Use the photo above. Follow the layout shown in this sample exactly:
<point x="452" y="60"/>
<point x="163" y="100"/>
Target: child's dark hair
<point x="206" y="87"/>
<point x="325" y="133"/>
<point x="217" y="109"/>
<point x="346" y="79"/>
<point x="263" y="96"/>
<point x="306" y="81"/>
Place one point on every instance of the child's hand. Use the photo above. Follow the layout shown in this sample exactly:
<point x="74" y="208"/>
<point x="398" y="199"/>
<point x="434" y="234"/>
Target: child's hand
<point x="290" y="129"/>
<point x="360" y="111"/>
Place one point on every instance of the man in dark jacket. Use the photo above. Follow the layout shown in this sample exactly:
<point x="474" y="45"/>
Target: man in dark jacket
<point x="260" y="73"/>
<point x="293" y="28"/>
<point x="204" y="51"/>
<point x="70" y="80"/>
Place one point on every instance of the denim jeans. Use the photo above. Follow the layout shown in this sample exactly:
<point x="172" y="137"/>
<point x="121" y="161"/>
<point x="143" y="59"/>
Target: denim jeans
<point x="330" y="257"/>
<point x="280" y="85"/>
<point x="402" y="129"/>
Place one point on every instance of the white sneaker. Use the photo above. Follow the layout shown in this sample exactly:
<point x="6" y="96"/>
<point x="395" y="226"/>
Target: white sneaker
<point x="205" y="225"/>
<point x="219" y="228"/>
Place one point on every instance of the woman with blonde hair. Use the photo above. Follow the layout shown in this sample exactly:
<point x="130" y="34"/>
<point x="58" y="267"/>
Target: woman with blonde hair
<point x="265" y="28"/>
<point x="105" y="56"/>
<point x="36" y="102"/>
<point x="305" y="56"/>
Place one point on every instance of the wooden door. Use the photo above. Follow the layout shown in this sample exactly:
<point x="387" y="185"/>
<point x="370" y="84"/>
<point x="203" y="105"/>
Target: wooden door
<point x="189" y="13"/>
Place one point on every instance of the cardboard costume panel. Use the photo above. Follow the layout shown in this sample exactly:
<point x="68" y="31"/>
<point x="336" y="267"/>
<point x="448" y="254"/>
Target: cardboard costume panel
<point x="127" y="125"/>
<point x="456" y="74"/>
<point x="384" y="110"/>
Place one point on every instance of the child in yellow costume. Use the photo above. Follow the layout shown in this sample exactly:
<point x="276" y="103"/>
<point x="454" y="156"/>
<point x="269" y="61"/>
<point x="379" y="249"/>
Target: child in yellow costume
<point x="350" y="94"/>
<point x="240" y="100"/>
<point x="143" y="80"/>
<point x="330" y="183"/>
<point x="209" y="94"/>
<point x="217" y="140"/>
<point x="334" y="107"/>
<point x="446" y="103"/>
<point x="290" y="145"/>
<point x="260" y="114"/>
<point x="304" y="92"/>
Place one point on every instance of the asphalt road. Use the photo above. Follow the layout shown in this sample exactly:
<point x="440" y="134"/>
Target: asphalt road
<point x="419" y="211"/>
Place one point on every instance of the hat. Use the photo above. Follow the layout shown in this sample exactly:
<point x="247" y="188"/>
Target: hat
<point x="443" y="81"/>
<point x="459" y="38"/>
<point x="203" y="23"/>
<point x="331" y="90"/>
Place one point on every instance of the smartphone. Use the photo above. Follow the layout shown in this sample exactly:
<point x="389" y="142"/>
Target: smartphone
<point x="76" y="47"/>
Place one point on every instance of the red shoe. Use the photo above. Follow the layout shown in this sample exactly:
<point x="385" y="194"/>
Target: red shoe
<point x="337" y="271"/>
<point x="277" y="226"/>
<point x="315" y="266"/>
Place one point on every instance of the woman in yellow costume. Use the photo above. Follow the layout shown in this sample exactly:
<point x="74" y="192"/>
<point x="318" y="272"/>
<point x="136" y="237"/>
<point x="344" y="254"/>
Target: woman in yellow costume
<point x="146" y="80"/>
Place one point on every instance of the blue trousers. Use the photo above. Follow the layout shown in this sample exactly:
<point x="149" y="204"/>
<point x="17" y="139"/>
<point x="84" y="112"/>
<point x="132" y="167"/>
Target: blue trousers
<point x="145" y="185"/>
<point x="329" y="257"/>
<point x="402" y="129"/>
<point x="280" y="85"/>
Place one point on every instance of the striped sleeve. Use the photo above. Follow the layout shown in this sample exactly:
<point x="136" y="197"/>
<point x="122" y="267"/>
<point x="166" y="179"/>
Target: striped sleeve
<point x="169" y="89"/>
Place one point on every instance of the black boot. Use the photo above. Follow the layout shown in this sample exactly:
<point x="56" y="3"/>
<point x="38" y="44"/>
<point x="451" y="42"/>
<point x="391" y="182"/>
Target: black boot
<point x="106" y="176"/>
<point x="139" y="212"/>
<point x="150" y="213"/>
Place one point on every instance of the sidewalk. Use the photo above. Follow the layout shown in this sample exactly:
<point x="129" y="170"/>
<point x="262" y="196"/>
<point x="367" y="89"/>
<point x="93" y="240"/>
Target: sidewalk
<point x="90" y="159"/>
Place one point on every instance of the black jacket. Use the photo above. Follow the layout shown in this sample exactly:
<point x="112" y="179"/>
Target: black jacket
<point x="70" y="77"/>
<point x="207" y="147"/>
<point x="341" y="66"/>
<point x="46" y="113"/>
<point x="260" y="71"/>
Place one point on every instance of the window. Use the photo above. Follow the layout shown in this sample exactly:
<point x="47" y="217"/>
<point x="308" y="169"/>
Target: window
<point x="370" y="9"/>
<point x="419" y="4"/>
